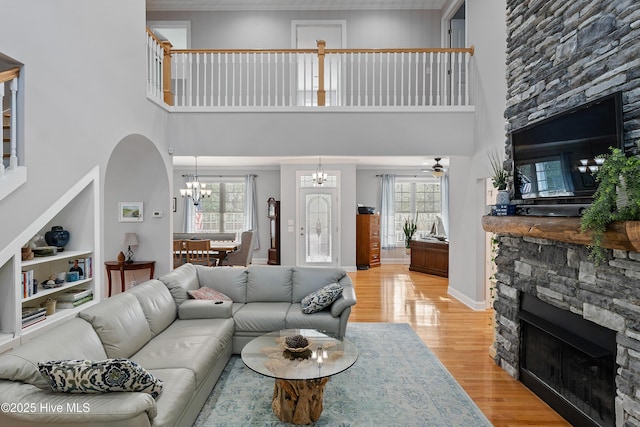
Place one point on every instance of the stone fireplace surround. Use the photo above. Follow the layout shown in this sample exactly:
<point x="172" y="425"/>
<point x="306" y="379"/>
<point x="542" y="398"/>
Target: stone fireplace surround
<point x="561" y="274"/>
<point x="561" y="54"/>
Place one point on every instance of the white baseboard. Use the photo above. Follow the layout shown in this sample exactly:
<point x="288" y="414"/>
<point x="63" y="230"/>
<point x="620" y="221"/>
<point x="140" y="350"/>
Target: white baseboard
<point x="474" y="305"/>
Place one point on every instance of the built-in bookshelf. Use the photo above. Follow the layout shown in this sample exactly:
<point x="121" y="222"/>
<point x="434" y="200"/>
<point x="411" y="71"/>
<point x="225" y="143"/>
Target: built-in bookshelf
<point x="78" y="212"/>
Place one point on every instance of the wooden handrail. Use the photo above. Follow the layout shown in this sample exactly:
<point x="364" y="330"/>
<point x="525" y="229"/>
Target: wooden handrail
<point x="10" y="74"/>
<point x="469" y="50"/>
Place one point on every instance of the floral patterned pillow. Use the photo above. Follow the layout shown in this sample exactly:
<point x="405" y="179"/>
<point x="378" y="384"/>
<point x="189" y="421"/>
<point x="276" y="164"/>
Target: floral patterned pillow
<point x="86" y="376"/>
<point x="208" y="293"/>
<point x="320" y="299"/>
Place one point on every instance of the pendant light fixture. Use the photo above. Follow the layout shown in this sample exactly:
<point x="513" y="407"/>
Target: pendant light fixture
<point x="319" y="176"/>
<point x="195" y="190"/>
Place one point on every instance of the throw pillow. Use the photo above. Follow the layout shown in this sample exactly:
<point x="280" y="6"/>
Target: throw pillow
<point x="208" y="293"/>
<point x="320" y="299"/>
<point x="86" y="376"/>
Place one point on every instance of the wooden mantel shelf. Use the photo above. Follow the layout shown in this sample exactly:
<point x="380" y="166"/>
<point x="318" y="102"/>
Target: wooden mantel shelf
<point x="619" y="235"/>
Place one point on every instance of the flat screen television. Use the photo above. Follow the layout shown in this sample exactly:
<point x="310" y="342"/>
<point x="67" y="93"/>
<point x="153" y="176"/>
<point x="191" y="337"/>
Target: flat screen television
<point x="556" y="159"/>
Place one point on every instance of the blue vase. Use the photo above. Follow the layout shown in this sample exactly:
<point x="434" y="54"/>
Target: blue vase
<point x="57" y="237"/>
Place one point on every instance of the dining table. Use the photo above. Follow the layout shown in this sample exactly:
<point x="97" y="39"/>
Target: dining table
<point x="218" y="249"/>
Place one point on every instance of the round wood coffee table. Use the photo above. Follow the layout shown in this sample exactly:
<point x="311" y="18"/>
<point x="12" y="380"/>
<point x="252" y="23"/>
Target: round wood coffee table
<point x="300" y="377"/>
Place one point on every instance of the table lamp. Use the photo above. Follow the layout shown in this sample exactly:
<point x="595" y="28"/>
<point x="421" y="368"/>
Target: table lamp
<point x="130" y="239"/>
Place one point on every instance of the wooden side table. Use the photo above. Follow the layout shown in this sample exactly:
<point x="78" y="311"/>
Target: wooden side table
<point x="124" y="266"/>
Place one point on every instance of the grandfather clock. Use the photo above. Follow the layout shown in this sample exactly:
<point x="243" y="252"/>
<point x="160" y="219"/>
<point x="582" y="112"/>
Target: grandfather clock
<point x="273" y="212"/>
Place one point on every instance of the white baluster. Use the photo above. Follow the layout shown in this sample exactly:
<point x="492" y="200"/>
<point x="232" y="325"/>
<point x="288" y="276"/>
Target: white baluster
<point x="424" y="78"/>
<point x="417" y="78"/>
<point x="255" y="79"/>
<point x="219" y="60"/>
<point x="459" y="62"/>
<point x="269" y="78"/>
<point x="352" y="72"/>
<point x="466" y="78"/>
<point x="13" y="121"/>
<point x="388" y="77"/>
<point x="402" y="89"/>
<point x="196" y="93"/>
<point x="438" y="84"/>
<point x="284" y="101"/>
<point x="366" y="79"/>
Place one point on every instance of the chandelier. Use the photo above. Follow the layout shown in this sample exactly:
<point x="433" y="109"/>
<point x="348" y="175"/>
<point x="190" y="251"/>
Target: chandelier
<point x="195" y="190"/>
<point x="319" y="176"/>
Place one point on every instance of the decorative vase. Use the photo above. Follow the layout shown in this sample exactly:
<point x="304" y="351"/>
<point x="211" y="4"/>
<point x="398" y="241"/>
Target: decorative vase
<point x="57" y="237"/>
<point x="502" y="198"/>
<point x="121" y="257"/>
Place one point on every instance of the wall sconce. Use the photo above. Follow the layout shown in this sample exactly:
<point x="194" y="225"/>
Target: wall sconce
<point x="585" y="166"/>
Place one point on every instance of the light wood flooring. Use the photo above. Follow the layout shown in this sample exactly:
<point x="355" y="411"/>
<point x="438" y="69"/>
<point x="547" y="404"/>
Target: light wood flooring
<point x="459" y="336"/>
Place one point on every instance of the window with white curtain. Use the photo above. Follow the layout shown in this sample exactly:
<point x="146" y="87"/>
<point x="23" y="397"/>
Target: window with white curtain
<point x="222" y="212"/>
<point x="417" y="200"/>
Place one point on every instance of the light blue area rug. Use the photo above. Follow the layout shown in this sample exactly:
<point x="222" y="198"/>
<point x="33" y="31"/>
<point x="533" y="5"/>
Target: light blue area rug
<point x="396" y="381"/>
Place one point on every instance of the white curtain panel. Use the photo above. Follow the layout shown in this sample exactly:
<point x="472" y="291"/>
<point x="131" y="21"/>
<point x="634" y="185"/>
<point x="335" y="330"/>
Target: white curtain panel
<point x="387" y="212"/>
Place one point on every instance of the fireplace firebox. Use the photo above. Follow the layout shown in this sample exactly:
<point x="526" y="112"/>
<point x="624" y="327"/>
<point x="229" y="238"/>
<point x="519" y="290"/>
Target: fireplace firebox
<point x="569" y="362"/>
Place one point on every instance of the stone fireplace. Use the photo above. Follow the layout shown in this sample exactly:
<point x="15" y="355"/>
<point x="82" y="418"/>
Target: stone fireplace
<point x="560" y="55"/>
<point x="567" y="328"/>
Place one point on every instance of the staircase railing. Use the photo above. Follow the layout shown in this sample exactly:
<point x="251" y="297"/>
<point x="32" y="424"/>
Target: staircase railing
<point x="275" y="78"/>
<point x="9" y="80"/>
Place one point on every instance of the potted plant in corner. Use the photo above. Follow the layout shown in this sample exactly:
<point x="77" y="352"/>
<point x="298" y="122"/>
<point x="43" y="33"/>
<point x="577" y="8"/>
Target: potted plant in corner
<point x="499" y="177"/>
<point x="616" y="199"/>
<point x="409" y="230"/>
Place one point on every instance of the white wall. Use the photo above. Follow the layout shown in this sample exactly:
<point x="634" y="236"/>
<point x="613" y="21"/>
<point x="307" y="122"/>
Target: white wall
<point x="272" y="30"/>
<point x="84" y="93"/>
<point x="487" y="32"/>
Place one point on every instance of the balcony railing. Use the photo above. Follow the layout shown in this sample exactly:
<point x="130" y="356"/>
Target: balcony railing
<point x="276" y="78"/>
<point x="9" y="90"/>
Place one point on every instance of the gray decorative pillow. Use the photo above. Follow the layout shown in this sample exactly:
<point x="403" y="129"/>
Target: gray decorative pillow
<point x="320" y="299"/>
<point x="86" y="376"/>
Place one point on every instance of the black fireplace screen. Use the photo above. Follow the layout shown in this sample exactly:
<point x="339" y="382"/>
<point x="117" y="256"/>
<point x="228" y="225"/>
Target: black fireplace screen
<point x="584" y="381"/>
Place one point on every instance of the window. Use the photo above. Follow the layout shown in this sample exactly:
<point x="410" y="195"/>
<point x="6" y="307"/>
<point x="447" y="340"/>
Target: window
<point x="222" y="212"/>
<point x="419" y="200"/>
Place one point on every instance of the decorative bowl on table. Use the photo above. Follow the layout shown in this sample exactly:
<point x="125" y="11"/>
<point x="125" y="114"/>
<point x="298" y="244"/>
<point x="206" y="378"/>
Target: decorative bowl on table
<point x="296" y="343"/>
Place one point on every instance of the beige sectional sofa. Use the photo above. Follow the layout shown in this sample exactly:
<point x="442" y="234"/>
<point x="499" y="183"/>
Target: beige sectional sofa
<point x="183" y="342"/>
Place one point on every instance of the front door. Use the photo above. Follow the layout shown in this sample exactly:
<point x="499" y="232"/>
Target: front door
<point x="318" y="226"/>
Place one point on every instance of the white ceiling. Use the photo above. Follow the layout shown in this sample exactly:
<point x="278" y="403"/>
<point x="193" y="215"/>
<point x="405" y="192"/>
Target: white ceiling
<point x="219" y="5"/>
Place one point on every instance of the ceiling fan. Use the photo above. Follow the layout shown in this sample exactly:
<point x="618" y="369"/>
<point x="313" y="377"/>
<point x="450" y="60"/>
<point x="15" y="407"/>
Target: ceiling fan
<point x="437" y="170"/>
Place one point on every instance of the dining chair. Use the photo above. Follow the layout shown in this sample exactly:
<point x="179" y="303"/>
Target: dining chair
<point x="244" y="255"/>
<point x="179" y="253"/>
<point x="199" y="251"/>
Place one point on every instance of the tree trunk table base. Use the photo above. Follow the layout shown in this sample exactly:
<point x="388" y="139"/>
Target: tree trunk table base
<point x="298" y="401"/>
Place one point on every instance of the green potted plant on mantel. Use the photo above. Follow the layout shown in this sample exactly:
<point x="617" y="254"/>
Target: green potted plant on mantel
<point x="499" y="177"/>
<point x="409" y="230"/>
<point x="616" y="199"/>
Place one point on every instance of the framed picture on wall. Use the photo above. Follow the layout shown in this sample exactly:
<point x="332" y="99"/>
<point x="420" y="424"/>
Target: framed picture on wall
<point x="130" y="212"/>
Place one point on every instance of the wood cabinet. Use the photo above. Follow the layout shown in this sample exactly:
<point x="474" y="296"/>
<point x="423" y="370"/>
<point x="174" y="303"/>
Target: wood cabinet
<point x="430" y="257"/>
<point x="367" y="241"/>
<point x="273" y="212"/>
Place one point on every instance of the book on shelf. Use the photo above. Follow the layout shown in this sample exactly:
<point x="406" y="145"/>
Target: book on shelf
<point x="27" y="285"/>
<point x="76" y="303"/>
<point x="71" y="295"/>
<point x="33" y="321"/>
<point x="30" y="311"/>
